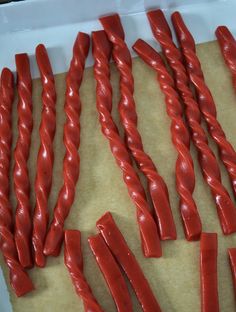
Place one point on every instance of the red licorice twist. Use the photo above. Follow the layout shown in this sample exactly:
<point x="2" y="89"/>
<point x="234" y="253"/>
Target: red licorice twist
<point x="228" y="48"/>
<point x="208" y="273"/>
<point x="126" y="259"/>
<point x="148" y="231"/>
<point x="74" y="262"/>
<point x="157" y="187"/>
<point x="112" y="273"/>
<point x="185" y="178"/>
<point x="6" y="101"/>
<point x="23" y="226"/>
<point x="205" y="99"/>
<point x="207" y="160"/>
<point x="45" y="159"/>
<point x="19" y="279"/>
<point x="71" y="141"/>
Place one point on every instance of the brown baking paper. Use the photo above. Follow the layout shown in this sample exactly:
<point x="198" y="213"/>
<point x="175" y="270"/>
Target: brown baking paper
<point x="174" y="278"/>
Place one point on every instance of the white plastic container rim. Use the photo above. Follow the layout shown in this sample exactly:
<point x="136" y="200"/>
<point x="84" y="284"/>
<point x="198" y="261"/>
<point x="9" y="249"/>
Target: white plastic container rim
<point x="55" y="23"/>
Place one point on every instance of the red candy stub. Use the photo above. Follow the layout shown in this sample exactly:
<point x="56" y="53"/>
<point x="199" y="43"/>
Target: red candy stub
<point x="111" y="273"/>
<point x="119" y="248"/>
<point x="208" y="272"/>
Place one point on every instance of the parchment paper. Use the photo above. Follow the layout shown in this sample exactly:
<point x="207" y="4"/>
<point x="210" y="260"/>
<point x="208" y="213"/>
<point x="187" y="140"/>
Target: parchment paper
<point x="175" y="277"/>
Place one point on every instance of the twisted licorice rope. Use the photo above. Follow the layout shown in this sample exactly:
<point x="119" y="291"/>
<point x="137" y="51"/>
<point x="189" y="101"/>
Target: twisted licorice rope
<point x="45" y="159"/>
<point x="74" y="262"/>
<point x="157" y="187"/>
<point x="228" y="48"/>
<point x="71" y="140"/>
<point x="185" y="180"/>
<point x="23" y="226"/>
<point x="6" y="101"/>
<point x="19" y="279"/>
<point x="208" y="162"/>
<point x="148" y="231"/>
<point x="205" y="99"/>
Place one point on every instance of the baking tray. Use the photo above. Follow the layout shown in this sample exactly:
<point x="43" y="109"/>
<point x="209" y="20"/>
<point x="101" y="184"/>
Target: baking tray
<point x="23" y="25"/>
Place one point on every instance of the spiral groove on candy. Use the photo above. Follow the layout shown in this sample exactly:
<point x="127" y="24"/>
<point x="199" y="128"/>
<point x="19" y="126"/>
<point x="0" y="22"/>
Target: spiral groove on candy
<point x="23" y="225"/>
<point x="45" y="159"/>
<point x="148" y="231"/>
<point x="185" y="178"/>
<point x="71" y="139"/>
<point x="19" y="279"/>
<point x="207" y="160"/>
<point x="228" y="48"/>
<point x="157" y="187"/>
<point x="205" y="99"/>
<point x="74" y="262"/>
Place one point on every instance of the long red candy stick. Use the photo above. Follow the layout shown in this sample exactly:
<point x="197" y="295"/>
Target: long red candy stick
<point x="207" y="160"/>
<point x="19" y="279"/>
<point x="111" y="273"/>
<point x="45" y="159"/>
<point x="232" y="259"/>
<point x="128" y="262"/>
<point x="205" y="99"/>
<point x="185" y="179"/>
<point x="74" y="262"/>
<point x="148" y="231"/>
<point x="157" y="187"/>
<point x="71" y="141"/>
<point x="228" y="48"/>
<point x="23" y="225"/>
<point x="208" y="272"/>
<point x="6" y="101"/>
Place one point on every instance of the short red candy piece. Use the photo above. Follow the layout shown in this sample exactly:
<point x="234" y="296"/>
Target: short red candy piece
<point x="119" y="248"/>
<point x="111" y="273"/>
<point x="208" y="272"/>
